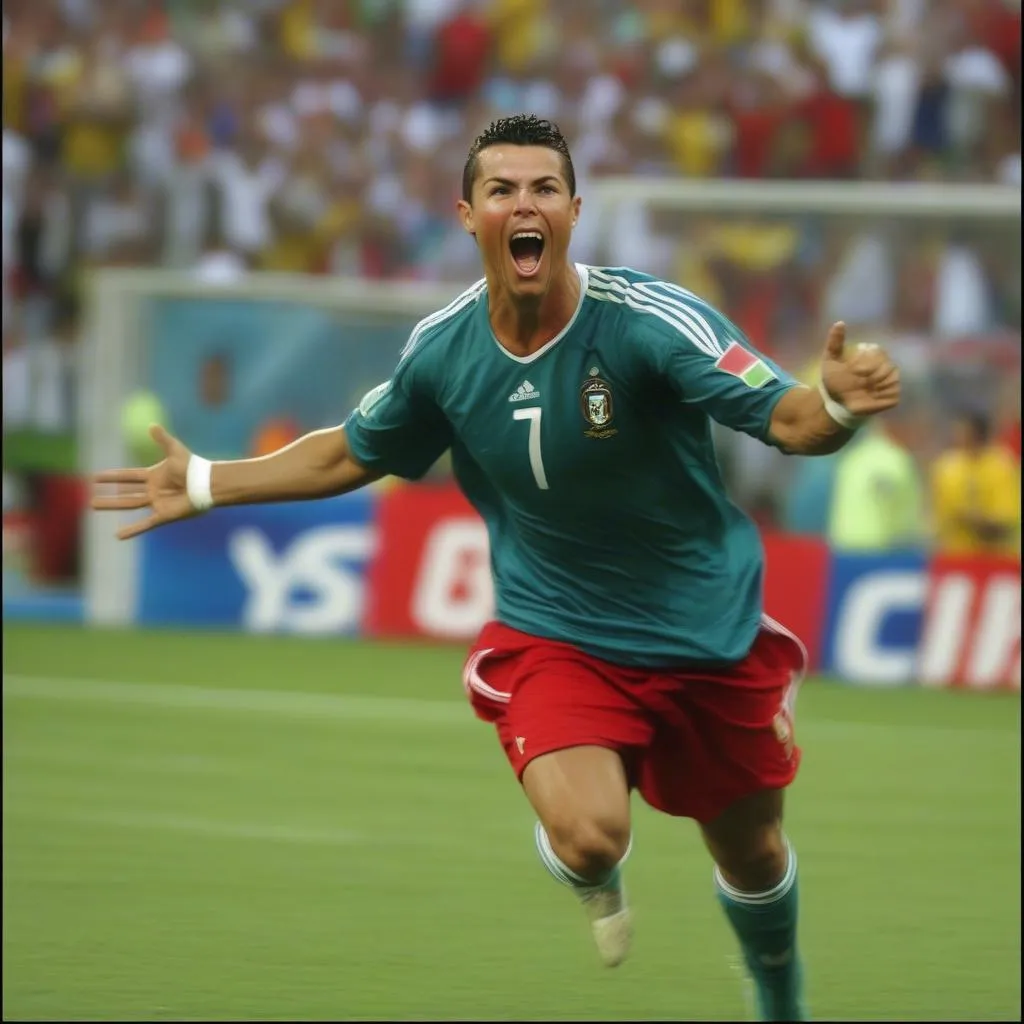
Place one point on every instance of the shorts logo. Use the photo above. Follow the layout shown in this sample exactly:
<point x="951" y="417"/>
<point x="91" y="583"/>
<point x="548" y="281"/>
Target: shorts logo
<point x="783" y="731"/>
<point x="520" y="743"/>
<point x="596" y="405"/>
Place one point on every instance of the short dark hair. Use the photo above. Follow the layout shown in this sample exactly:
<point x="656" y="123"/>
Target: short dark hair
<point x="519" y="130"/>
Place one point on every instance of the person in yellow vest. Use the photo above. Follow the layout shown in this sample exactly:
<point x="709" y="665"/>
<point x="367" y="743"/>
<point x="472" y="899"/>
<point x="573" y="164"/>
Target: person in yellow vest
<point x="296" y="29"/>
<point x="976" y="493"/>
<point x="522" y="29"/>
<point x="96" y="99"/>
<point x="877" y="493"/>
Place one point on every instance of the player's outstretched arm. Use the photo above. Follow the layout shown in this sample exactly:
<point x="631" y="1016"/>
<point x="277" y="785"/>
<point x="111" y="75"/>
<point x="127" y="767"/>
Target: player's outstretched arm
<point x="853" y="387"/>
<point x="182" y="484"/>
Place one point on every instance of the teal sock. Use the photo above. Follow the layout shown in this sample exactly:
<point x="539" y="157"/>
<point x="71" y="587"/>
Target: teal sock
<point x="566" y="875"/>
<point x="765" y="924"/>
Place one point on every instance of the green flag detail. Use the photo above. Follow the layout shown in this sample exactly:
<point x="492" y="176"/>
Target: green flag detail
<point x="743" y="363"/>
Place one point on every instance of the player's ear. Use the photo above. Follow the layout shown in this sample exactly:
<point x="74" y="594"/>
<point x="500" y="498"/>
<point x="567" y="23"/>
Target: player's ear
<point x="577" y="202"/>
<point x="466" y="216"/>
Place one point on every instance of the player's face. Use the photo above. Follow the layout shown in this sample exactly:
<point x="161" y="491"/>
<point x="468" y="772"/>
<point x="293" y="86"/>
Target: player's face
<point x="522" y="216"/>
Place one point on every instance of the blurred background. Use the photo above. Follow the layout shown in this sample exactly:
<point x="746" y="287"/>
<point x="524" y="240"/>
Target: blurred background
<point x="223" y="140"/>
<point x="226" y="216"/>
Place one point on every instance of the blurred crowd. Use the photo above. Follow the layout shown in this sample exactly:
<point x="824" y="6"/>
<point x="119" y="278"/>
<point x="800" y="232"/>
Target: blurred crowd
<point x="328" y="137"/>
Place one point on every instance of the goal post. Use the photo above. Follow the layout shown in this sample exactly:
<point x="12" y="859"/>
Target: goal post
<point x="303" y="347"/>
<point x="930" y="200"/>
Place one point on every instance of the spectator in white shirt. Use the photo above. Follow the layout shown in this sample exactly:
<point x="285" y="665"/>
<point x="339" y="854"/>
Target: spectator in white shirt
<point x="246" y="179"/>
<point x="846" y="34"/>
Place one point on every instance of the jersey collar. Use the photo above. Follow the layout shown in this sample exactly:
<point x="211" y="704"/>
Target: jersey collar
<point x="584" y="275"/>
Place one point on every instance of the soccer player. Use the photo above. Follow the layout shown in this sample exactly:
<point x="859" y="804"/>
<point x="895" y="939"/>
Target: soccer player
<point x="630" y="649"/>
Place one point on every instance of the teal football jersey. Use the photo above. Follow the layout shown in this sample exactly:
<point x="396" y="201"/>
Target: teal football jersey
<point x="592" y="463"/>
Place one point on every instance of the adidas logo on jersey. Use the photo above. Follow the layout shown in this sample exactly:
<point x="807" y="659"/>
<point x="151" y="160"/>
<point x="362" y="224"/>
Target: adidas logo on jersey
<point x="523" y="392"/>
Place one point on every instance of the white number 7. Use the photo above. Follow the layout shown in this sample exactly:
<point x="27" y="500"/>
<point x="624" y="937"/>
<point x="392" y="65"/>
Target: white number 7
<point x="536" y="462"/>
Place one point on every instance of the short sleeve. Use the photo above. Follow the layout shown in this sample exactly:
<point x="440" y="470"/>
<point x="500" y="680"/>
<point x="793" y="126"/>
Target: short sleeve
<point x="398" y="428"/>
<point x="709" y="363"/>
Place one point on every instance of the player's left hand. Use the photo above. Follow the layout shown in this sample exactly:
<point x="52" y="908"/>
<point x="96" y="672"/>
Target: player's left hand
<point x="864" y="381"/>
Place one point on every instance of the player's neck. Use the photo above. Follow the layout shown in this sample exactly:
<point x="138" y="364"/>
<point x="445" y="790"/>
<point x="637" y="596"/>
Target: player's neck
<point x="525" y="325"/>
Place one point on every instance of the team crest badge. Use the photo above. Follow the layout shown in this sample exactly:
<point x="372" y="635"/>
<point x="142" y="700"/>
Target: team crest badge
<point x="598" y="410"/>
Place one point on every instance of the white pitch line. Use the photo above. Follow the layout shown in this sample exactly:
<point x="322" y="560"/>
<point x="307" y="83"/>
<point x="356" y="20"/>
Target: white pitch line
<point x="203" y="698"/>
<point x="395" y="710"/>
<point x="182" y="764"/>
<point x="258" y="831"/>
<point x="149" y="821"/>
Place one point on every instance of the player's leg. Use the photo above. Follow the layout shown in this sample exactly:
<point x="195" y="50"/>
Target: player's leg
<point x="723" y="756"/>
<point x="756" y="881"/>
<point x="581" y="797"/>
<point x="561" y="720"/>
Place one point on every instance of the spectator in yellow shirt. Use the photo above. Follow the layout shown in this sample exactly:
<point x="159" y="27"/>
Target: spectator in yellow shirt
<point x="976" y="493"/>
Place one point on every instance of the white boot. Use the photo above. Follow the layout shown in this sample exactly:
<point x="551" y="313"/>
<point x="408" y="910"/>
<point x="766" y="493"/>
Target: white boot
<point x="610" y="918"/>
<point x="611" y="922"/>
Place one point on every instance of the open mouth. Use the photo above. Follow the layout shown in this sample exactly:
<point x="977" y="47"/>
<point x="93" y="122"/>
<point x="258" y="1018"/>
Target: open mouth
<point x="527" y="248"/>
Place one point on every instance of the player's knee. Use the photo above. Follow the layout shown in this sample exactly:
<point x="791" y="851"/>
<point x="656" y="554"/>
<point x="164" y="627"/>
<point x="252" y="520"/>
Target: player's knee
<point x="591" y="846"/>
<point x="756" y="863"/>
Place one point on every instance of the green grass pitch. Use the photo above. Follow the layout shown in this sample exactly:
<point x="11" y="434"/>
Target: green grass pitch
<point x="231" y="827"/>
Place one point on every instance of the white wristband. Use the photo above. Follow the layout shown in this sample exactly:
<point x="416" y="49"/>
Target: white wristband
<point x="197" y="483"/>
<point x="838" y="412"/>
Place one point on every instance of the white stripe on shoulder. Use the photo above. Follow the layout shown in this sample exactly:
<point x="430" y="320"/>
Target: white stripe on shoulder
<point x="469" y="296"/>
<point x="672" y="298"/>
<point x="661" y="297"/>
<point x="641" y="305"/>
<point x="634" y="302"/>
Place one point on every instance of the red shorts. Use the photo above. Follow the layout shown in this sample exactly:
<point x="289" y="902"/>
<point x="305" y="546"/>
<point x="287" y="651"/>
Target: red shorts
<point x="693" y="742"/>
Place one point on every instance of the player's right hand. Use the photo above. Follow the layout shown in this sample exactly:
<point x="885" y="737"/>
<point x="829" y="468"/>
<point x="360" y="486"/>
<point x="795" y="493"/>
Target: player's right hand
<point x="865" y="381"/>
<point x="161" y="488"/>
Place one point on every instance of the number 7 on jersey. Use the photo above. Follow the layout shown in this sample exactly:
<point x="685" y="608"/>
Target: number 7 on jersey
<point x="533" y="444"/>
